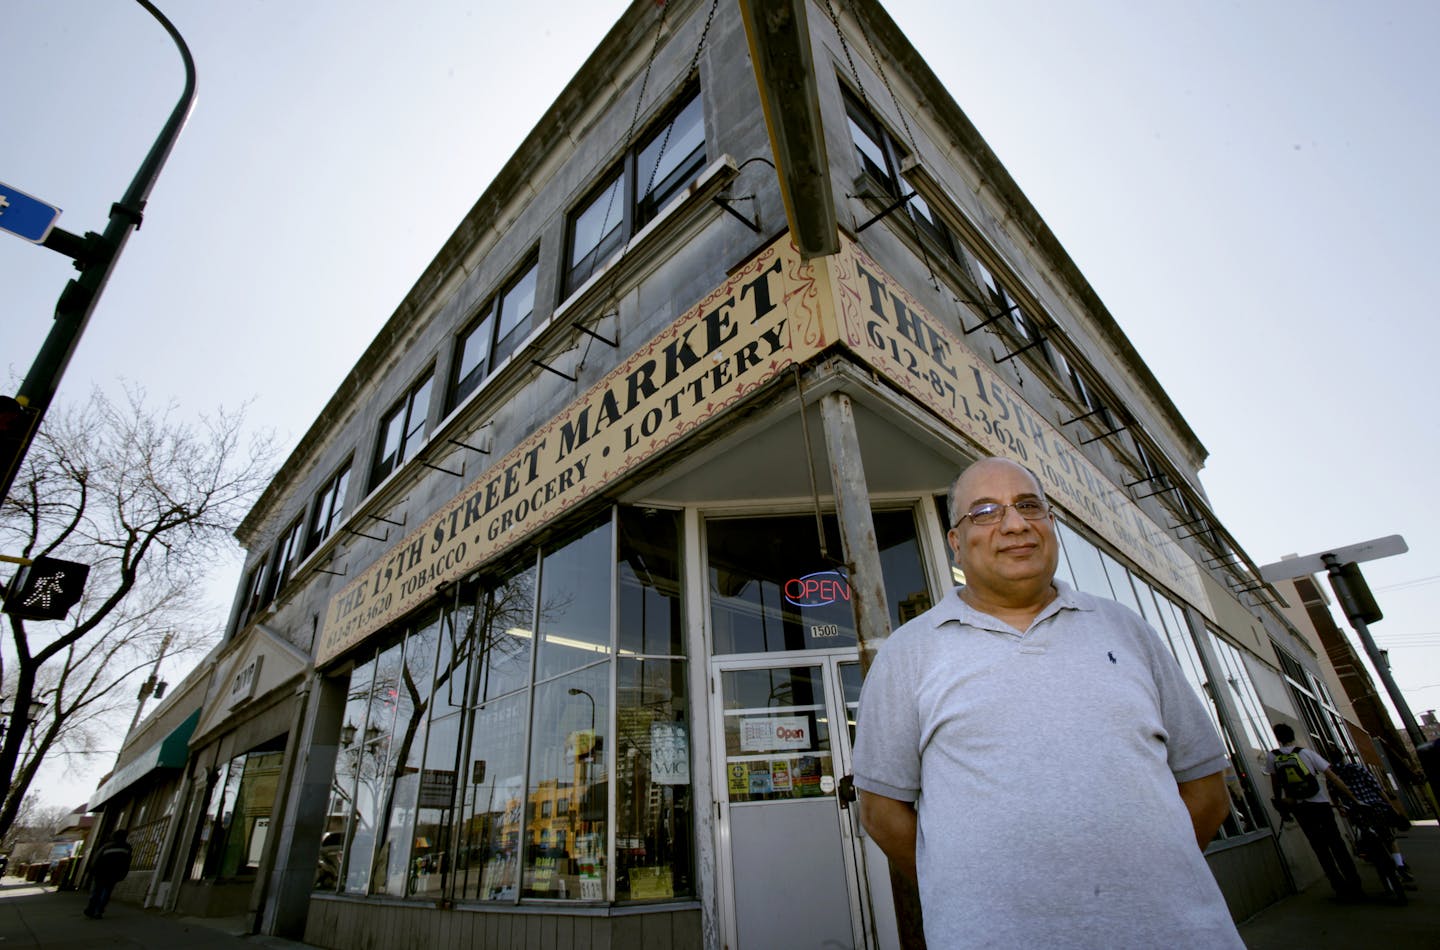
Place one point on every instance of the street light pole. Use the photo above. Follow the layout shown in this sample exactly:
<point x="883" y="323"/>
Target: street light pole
<point x="95" y="256"/>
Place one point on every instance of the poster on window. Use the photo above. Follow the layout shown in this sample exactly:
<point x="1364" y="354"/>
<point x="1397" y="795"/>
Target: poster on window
<point x="775" y="733"/>
<point x="669" y="754"/>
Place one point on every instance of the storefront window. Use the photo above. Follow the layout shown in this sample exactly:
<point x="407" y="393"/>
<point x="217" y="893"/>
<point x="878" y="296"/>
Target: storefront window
<point x="1084" y="560"/>
<point x="231" y="839"/>
<point x="374" y="766"/>
<point x="214" y="831"/>
<point x="649" y="597"/>
<point x="483" y="773"/>
<point x="770" y="589"/>
<point x="574" y="616"/>
<point x="505" y="636"/>
<point x="489" y="843"/>
<point x="1246" y="702"/>
<point x="653" y="804"/>
<point x="342" y="785"/>
<point x="412" y="708"/>
<point x="250" y="818"/>
<point x="565" y="853"/>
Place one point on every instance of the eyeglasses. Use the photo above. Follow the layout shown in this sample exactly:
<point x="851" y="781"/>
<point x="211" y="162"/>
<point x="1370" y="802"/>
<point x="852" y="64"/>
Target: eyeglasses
<point x="1031" y="509"/>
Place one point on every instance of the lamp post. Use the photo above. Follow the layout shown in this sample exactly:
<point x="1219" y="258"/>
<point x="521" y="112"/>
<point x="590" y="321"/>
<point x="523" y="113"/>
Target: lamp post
<point x="590" y="753"/>
<point x="95" y="256"/>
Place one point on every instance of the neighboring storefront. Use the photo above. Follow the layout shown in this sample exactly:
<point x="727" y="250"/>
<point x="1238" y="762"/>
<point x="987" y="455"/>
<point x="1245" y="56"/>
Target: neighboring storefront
<point x="237" y="769"/>
<point x="146" y="788"/>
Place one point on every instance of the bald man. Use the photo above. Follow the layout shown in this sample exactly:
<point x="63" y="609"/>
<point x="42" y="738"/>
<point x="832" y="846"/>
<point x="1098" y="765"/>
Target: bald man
<point x="1034" y="756"/>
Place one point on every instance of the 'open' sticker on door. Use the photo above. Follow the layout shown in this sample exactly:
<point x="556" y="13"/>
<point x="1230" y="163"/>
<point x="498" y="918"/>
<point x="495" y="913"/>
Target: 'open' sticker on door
<point x="774" y="732"/>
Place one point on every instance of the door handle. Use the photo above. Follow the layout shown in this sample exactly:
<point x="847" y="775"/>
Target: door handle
<point x="846" y="790"/>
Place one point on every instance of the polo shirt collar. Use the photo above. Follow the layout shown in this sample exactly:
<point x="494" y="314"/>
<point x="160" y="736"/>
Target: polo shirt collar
<point x="958" y="611"/>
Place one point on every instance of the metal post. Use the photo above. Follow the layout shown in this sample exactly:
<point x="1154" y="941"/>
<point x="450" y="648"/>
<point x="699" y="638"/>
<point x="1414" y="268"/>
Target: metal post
<point x="96" y="258"/>
<point x="1382" y="666"/>
<point x="148" y="687"/>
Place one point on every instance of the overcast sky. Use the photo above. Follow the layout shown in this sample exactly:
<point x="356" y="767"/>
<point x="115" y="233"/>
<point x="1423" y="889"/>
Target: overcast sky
<point x="1249" y="187"/>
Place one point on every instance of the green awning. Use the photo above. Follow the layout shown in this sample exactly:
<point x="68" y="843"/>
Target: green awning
<point x="169" y="753"/>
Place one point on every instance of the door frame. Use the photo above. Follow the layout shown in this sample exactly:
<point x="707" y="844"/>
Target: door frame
<point x="828" y="662"/>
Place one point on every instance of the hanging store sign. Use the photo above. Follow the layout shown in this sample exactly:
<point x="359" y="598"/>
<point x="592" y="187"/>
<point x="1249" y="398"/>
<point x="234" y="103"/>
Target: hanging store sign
<point x="889" y="329"/>
<point x="765" y="317"/>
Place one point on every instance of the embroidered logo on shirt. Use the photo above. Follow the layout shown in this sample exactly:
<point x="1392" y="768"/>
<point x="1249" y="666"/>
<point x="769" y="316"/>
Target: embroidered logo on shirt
<point x="1111" y="656"/>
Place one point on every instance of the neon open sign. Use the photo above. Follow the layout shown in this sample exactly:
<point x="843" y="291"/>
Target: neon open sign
<point x="818" y="589"/>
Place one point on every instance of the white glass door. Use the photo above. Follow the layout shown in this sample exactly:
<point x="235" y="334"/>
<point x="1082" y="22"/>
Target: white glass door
<point x="790" y="847"/>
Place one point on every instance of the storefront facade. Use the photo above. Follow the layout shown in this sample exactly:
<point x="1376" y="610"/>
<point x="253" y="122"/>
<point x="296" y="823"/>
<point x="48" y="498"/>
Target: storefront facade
<point x="583" y="564"/>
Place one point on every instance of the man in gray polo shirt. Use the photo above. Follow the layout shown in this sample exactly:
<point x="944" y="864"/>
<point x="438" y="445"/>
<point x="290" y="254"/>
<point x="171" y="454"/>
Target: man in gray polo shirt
<point x="1033" y="754"/>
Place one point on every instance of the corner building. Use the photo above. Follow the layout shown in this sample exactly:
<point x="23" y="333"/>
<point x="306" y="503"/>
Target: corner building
<point x="590" y="549"/>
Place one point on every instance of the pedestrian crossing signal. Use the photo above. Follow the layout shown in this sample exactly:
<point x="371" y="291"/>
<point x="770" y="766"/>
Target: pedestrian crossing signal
<point x="46" y="589"/>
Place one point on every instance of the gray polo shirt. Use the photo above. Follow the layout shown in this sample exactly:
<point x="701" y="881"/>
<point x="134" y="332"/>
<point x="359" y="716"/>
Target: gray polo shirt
<point x="1043" y="766"/>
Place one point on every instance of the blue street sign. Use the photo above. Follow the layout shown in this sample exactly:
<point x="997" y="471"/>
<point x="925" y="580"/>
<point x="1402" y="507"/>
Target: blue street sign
<point x="28" y="217"/>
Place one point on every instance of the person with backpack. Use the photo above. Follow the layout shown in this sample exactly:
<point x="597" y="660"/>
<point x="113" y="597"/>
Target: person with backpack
<point x="110" y="867"/>
<point x="1295" y="774"/>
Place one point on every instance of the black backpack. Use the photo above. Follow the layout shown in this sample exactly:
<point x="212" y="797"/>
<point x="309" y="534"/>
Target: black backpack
<point x="1296" y="779"/>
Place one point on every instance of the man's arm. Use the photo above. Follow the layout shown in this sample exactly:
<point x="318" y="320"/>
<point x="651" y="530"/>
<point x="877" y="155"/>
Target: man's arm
<point x="1208" y="802"/>
<point x="892" y="823"/>
<point x="1344" y="789"/>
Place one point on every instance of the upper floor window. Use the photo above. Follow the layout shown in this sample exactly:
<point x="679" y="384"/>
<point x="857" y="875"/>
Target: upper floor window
<point x="329" y="508"/>
<point x="402" y="430"/>
<point x="505" y="320"/>
<point x="1090" y="403"/>
<point x="880" y="157"/>
<point x="664" y="162"/>
<point x="254" y="594"/>
<point x="1150" y="468"/>
<point x="1007" y="304"/>
<point x="287" y="554"/>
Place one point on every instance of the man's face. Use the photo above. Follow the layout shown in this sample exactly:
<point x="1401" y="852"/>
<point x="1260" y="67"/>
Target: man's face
<point x="1015" y="558"/>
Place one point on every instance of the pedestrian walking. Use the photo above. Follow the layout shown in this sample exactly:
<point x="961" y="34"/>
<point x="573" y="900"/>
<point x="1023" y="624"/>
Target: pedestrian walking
<point x="110" y="866"/>
<point x="1295" y="774"/>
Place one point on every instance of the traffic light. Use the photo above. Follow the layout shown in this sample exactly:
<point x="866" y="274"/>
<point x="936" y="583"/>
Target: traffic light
<point x="16" y="423"/>
<point x="46" y="589"/>
<point x="1354" y="594"/>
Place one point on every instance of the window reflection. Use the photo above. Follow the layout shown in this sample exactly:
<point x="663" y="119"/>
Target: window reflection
<point x="649" y="598"/>
<point x="431" y="795"/>
<point x="566" y="843"/>
<point x="489" y="840"/>
<point x="653" y="805"/>
<point x="574" y="620"/>
<point x="393" y="859"/>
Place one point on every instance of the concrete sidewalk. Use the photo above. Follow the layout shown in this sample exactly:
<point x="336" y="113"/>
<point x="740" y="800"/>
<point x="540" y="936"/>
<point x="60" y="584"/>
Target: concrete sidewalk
<point x="41" y="917"/>
<point x="47" y="919"/>
<point x="1314" y="920"/>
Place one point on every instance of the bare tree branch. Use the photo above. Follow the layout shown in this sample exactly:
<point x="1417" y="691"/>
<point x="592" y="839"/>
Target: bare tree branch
<point x="148" y="500"/>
